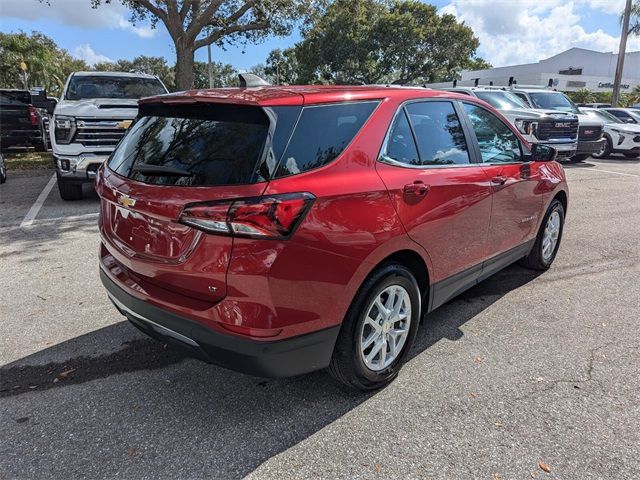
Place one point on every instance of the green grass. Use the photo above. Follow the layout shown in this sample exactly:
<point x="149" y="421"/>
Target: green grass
<point x="28" y="160"/>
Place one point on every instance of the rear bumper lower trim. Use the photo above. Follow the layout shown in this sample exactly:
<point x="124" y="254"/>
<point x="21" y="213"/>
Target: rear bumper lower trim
<point x="280" y="358"/>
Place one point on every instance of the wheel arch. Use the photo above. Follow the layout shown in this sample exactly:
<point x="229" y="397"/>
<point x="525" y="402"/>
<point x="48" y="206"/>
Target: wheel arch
<point x="561" y="196"/>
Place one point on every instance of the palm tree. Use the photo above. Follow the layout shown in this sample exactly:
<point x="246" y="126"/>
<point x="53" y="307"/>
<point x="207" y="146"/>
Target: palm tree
<point x="584" y="95"/>
<point x="634" y="19"/>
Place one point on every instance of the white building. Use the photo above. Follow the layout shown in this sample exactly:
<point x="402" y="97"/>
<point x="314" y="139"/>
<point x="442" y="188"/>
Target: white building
<point x="571" y="70"/>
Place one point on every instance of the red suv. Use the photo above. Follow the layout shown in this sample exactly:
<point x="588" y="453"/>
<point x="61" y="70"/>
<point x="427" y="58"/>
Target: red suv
<point x="281" y="230"/>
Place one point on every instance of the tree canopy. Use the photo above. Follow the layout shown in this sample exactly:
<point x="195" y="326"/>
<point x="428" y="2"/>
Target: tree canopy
<point x="47" y="64"/>
<point x="368" y="41"/>
<point x="193" y="24"/>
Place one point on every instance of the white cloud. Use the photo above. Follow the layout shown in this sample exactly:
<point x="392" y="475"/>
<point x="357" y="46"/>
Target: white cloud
<point x="75" y="13"/>
<point x="86" y="53"/>
<point x="513" y="32"/>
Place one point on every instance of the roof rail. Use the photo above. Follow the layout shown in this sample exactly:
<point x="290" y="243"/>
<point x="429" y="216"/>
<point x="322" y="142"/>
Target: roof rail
<point x="249" y="80"/>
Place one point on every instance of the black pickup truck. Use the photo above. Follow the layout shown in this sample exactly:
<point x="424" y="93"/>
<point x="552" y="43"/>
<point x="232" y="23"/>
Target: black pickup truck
<point x="21" y="124"/>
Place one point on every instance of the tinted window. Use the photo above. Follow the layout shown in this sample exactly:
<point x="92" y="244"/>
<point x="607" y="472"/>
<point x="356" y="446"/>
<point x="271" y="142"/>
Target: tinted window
<point x="401" y="147"/>
<point x="322" y="133"/>
<point x="15" y="97"/>
<point x="497" y="142"/>
<point x="102" y="86"/>
<point x="213" y="145"/>
<point x="438" y="133"/>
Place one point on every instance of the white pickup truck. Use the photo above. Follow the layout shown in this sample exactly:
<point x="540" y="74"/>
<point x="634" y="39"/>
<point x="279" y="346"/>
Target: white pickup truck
<point x="548" y="127"/>
<point x="93" y="114"/>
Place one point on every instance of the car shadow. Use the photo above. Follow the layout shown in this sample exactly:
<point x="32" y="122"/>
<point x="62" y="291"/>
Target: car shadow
<point x="226" y="423"/>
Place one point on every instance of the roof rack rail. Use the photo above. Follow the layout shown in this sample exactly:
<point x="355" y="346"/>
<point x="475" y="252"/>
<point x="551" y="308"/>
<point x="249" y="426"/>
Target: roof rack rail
<point x="249" y="80"/>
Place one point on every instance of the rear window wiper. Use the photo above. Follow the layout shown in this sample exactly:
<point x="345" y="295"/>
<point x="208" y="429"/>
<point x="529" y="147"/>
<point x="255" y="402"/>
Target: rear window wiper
<point x="160" y="170"/>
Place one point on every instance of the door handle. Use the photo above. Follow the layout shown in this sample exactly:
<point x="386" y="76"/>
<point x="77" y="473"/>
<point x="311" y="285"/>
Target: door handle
<point x="499" y="180"/>
<point x="417" y="188"/>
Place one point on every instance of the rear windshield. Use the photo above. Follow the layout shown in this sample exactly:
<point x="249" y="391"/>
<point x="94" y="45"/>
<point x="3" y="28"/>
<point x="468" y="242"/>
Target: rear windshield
<point x="218" y="144"/>
<point x="104" y="86"/>
<point x="8" y="97"/>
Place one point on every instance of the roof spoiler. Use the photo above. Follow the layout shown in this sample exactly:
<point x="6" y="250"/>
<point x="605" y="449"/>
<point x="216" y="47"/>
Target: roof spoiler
<point x="249" y="80"/>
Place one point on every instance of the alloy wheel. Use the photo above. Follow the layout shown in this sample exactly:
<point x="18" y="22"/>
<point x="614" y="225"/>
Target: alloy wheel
<point x="385" y="328"/>
<point x="550" y="236"/>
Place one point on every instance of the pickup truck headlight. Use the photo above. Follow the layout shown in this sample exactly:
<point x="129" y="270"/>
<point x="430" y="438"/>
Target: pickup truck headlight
<point x="64" y="129"/>
<point x="527" y="127"/>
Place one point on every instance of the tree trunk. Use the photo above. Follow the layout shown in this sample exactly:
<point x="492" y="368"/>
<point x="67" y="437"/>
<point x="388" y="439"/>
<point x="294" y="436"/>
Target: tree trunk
<point x="184" y="67"/>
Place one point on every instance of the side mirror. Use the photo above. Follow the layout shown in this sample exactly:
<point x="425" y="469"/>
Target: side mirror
<point x="543" y="153"/>
<point x="51" y="105"/>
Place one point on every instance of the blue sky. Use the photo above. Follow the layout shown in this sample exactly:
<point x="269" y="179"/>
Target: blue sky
<point x="510" y="31"/>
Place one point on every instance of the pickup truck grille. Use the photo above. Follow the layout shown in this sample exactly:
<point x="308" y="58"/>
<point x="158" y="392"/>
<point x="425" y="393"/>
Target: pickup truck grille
<point x="590" y="133"/>
<point x="99" y="133"/>
<point x="557" y="129"/>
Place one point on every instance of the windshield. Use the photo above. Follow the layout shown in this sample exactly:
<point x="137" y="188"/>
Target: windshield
<point x="635" y="114"/>
<point x="100" y="86"/>
<point x="553" y="101"/>
<point x="606" y="117"/>
<point x="501" y="100"/>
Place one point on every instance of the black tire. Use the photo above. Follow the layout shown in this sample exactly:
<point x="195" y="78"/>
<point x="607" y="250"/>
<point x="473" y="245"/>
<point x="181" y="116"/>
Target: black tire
<point x="69" y="191"/>
<point x="3" y="172"/>
<point x="41" y="147"/>
<point x="606" y="152"/>
<point x="347" y="366"/>
<point x="632" y="155"/>
<point x="535" y="260"/>
<point x="580" y="157"/>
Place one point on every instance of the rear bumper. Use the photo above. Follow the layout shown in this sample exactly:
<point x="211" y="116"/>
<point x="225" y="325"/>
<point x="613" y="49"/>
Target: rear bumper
<point x="590" y="146"/>
<point x="281" y="358"/>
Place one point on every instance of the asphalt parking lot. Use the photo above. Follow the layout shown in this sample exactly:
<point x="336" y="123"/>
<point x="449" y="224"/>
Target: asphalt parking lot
<point x="523" y="373"/>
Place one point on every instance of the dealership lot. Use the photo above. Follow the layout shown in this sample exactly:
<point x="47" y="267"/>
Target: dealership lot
<point x="522" y="370"/>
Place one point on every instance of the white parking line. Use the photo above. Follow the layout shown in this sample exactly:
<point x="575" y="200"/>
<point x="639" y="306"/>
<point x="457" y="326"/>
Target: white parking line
<point x="617" y="173"/>
<point x="35" y="208"/>
<point x="69" y="218"/>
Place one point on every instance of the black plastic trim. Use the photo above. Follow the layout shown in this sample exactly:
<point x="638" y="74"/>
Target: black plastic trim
<point x="281" y="358"/>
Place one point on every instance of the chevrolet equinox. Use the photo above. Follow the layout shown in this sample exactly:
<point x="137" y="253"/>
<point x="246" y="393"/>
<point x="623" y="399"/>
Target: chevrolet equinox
<point x="280" y="230"/>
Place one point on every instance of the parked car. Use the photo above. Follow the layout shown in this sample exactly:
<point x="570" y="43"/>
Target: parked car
<point x="20" y="122"/>
<point x="620" y="137"/>
<point x="548" y="127"/>
<point x="626" y="115"/>
<point x="3" y="170"/>
<point x="282" y="230"/>
<point x="93" y="113"/>
<point x="590" y="130"/>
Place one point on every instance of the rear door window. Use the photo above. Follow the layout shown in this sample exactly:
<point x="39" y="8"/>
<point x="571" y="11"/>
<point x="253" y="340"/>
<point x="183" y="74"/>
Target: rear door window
<point x="206" y="145"/>
<point x="322" y="133"/>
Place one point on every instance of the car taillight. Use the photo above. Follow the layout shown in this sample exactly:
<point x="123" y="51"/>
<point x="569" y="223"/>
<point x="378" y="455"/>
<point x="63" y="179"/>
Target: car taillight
<point x="33" y="115"/>
<point x="269" y="217"/>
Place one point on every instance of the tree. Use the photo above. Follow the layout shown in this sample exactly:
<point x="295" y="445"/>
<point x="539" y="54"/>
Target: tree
<point x="417" y="44"/>
<point x="193" y="24"/>
<point x="583" y="95"/>
<point x="634" y="19"/>
<point x="47" y="64"/>
<point x="282" y="66"/>
<point x="369" y="41"/>
<point x="477" y="63"/>
<point x="224" y="75"/>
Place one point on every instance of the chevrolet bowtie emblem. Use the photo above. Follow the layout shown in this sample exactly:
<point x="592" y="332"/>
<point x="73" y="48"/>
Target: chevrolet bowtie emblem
<point x="126" y="200"/>
<point x="124" y="124"/>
